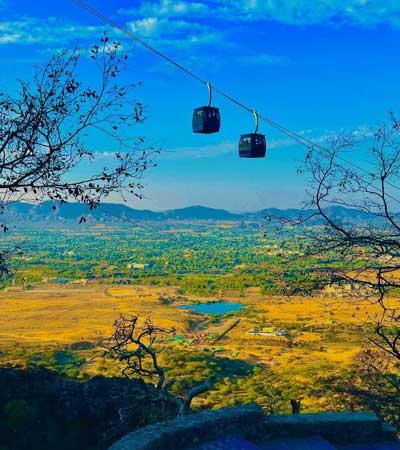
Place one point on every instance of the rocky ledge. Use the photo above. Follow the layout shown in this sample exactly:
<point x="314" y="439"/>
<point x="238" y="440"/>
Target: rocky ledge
<point x="249" y="422"/>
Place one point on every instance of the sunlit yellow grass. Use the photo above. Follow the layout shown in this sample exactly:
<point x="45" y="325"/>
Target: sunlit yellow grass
<point x="65" y="314"/>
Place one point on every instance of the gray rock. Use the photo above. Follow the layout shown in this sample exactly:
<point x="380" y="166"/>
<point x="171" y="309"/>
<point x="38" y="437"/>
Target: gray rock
<point x="188" y="431"/>
<point x="338" y="427"/>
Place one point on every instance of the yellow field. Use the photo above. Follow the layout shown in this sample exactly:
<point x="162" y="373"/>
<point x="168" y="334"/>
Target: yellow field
<point x="292" y="341"/>
<point x="66" y="314"/>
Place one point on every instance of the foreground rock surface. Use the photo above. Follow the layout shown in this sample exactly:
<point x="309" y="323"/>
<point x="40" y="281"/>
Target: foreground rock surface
<point x="189" y="431"/>
<point x="250" y="428"/>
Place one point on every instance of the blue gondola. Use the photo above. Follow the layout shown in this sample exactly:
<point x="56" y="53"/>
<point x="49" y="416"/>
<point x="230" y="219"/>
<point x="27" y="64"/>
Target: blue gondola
<point x="253" y="145"/>
<point x="206" y="119"/>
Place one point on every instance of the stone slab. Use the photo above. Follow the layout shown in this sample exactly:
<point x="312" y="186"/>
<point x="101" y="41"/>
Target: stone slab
<point x="191" y="430"/>
<point x="230" y="443"/>
<point x="311" y="443"/>
<point x="339" y="427"/>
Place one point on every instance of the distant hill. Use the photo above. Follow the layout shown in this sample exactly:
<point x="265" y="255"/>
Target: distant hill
<point x="345" y="215"/>
<point x="200" y="213"/>
<point x="56" y="213"/>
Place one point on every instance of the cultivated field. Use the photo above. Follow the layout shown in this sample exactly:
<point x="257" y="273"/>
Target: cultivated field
<point x="291" y="339"/>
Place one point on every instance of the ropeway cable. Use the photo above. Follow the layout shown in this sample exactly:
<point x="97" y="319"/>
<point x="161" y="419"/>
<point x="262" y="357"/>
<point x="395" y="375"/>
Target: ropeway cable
<point x="305" y="142"/>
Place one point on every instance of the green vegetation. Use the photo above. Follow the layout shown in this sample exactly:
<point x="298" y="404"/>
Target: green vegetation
<point x="202" y="258"/>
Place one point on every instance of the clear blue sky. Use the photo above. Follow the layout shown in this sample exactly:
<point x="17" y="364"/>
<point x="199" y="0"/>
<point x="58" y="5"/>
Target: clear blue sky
<point x="317" y="67"/>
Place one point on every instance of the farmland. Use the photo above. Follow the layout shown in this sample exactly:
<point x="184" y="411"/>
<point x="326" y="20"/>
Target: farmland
<point x="44" y="325"/>
<point x="295" y="336"/>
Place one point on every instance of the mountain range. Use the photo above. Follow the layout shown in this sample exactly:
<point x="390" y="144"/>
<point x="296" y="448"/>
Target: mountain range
<point x="52" y="213"/>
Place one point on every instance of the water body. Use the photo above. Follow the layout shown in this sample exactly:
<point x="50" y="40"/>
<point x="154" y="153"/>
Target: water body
<point x="214" y="308"/>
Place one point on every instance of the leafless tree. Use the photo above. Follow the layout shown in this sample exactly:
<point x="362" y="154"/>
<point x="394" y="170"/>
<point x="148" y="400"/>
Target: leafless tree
<point x="368" y="248"/>
<point x="377" y="383"/>
<point x="360" y="248"/>
<point x="135" y="350"/>
<point x="49" y="127"/>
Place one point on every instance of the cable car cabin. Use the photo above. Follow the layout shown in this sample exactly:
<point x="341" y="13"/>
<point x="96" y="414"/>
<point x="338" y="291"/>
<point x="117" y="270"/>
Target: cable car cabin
<point x="206" y="120"/>
<point x="252" y="145"/>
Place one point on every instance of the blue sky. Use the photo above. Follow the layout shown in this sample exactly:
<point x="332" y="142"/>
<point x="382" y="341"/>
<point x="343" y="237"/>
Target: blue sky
<point x="317" y="67"/>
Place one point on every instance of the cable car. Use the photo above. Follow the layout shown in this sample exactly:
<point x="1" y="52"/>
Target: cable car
<point x="206" y="119"/>
<point x="253" y="145"/>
